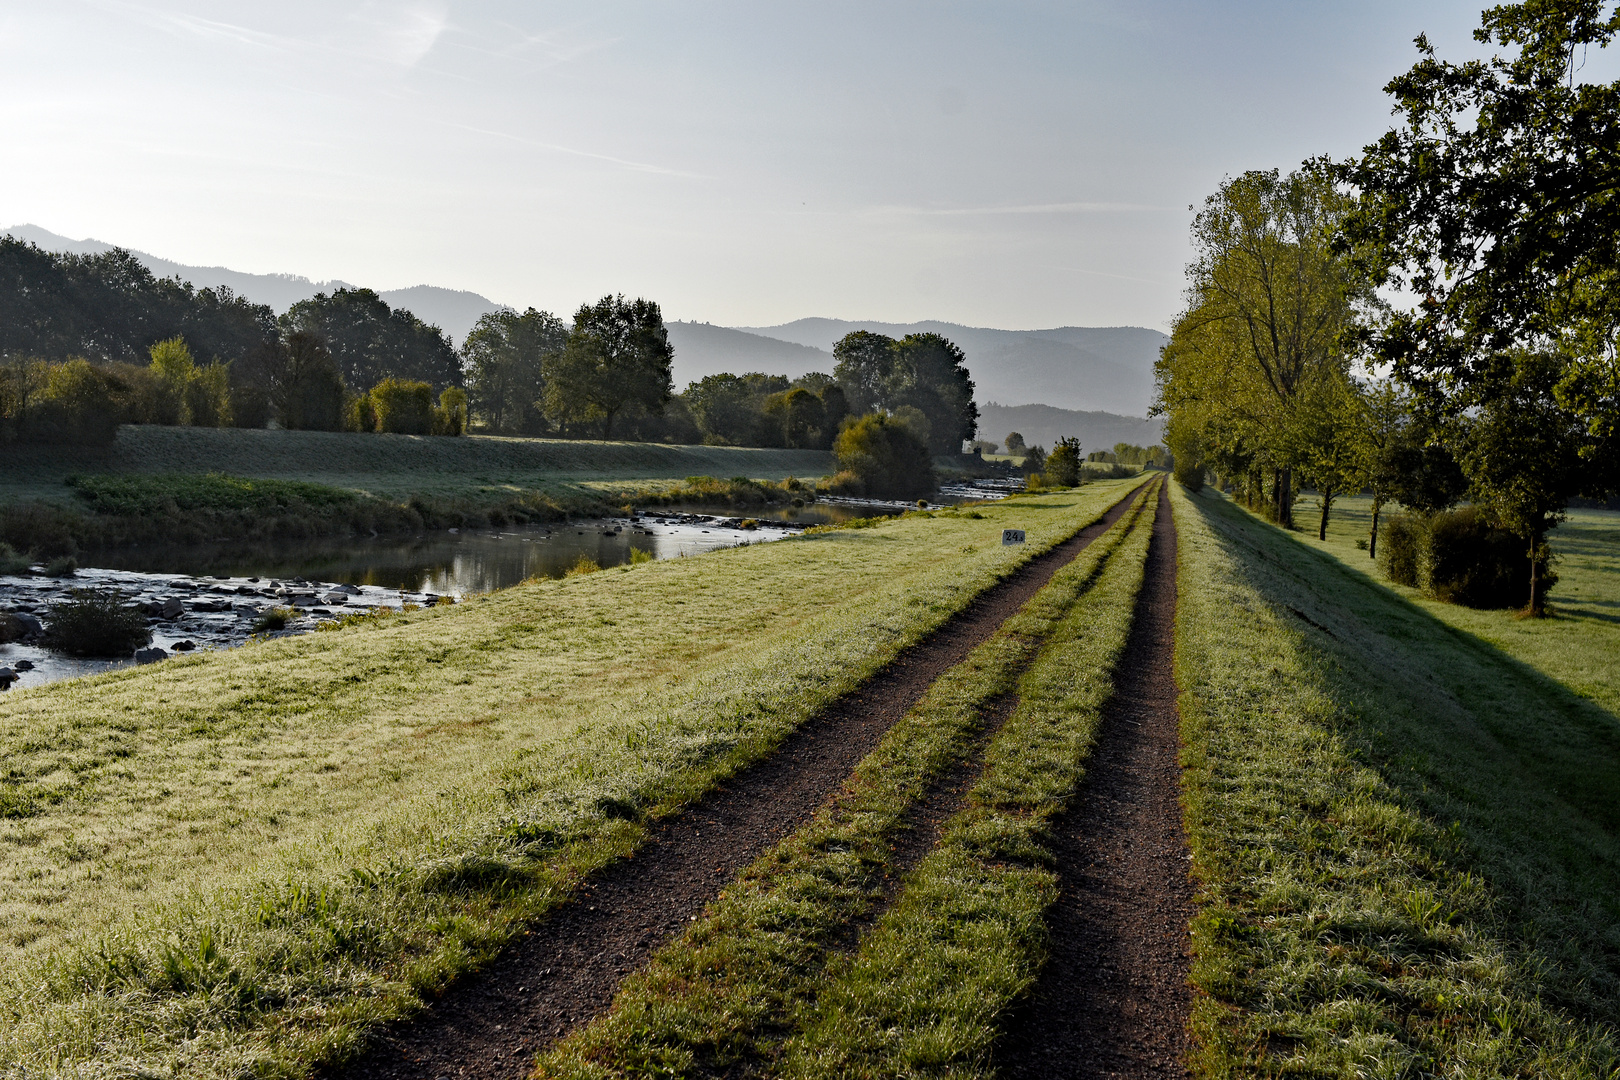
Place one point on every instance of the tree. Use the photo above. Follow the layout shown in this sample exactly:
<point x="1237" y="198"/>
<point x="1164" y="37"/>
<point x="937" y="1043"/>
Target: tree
<point x="1015" y="443"/>
<point x="617" y="357"/>
<point x="305" y="388"/>
<point x="1034" y="460"/>
<point x="1063" y="463"/>
<point x="799" y="415"/>
<point x="505" y="355"/>
<point x="1271" y="309"/>
<point x="924" y="371"/>
<point x="889" y="459"/>
<point x="371" y="341"/>
<point x="1495" y="204"/>
<point x="1327" y="433"/>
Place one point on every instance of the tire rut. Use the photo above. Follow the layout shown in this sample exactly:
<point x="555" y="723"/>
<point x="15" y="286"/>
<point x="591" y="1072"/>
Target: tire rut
<point x="566" y="968"/>
<point x="1113" y="999"/>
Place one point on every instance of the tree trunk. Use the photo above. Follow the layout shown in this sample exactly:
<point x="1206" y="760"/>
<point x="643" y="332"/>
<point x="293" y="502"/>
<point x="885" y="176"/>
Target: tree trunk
<point x="1536" y="609"/>
<point x="1327" y="503"/>
<point x="1372" y="537"/>
<point x="607" y="426"/>
<point x="1285" y="498"/>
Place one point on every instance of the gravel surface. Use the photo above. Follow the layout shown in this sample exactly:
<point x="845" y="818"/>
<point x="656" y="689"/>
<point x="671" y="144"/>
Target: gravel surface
<point x="1113" y="999"/>
<point x="565" y="970"/>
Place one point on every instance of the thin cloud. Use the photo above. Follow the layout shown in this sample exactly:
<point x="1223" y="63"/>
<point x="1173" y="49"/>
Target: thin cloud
<point x="637" y="166"/>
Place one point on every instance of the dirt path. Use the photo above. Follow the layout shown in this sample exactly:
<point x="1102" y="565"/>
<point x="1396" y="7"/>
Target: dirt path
<point x="565" y="969"/>
<point x="1113" y="999"/>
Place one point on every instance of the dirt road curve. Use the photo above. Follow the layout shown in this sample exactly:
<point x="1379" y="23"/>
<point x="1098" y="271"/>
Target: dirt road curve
<point x="1113" y="999"/>
<point x="567" y="968"/>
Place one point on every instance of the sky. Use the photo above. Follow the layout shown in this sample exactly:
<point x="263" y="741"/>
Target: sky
<point x="1015" y="165"/>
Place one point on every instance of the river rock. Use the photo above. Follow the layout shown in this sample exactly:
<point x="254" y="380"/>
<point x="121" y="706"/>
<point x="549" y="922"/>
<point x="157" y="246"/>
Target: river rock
<point x="150" y="656"/>
<point x="172" y="608"/>
<point x="204" y="605"/>
<point x="351" y="590"/>
<point x="23" y="665"/>
<point x="335" y="598"/>
<point x="183" y="646"/>
<point x="32" y="628"/>
<point x="7" y="677"/>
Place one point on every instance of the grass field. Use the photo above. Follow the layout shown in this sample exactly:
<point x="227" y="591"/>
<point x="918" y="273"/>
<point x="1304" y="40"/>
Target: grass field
<point x="395" y="467"/>
<point x="1404" y="818"/>
<point x="229" y="865"/>
<point x="1579" y="645"/>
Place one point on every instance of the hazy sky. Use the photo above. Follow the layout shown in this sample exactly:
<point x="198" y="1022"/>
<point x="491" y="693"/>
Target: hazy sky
<point x="1013" y="164"/>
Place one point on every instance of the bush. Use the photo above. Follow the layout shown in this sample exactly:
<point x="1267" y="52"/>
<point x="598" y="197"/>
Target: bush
<point x="1189" y="474"/>
<point x="403" y="406"/>
<point x="1399" y="545"/>
<point x="250" y="407"/>
<point x="1466" y="559"/>
<point x="95" y="623"/>
<point x="450" y="418"/>
<point x="887" y="456"/>
<point x="1063" y="463"/>
<point x="78" y="405"/>
<point x="276" y="618"/>
<point x="12" y="561"/>
<point x="65" y="566"/>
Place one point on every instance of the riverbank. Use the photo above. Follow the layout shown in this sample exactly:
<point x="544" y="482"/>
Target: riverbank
<point x="186" y="485"/>
<point x="344" y="821"/>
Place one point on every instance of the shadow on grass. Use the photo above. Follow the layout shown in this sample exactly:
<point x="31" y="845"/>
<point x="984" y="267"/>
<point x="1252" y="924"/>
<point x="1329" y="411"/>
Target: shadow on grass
<point x="1522" y="771"/>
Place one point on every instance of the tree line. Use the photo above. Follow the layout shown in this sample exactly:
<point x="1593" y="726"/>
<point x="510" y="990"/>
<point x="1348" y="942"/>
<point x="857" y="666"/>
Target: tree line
<point x="1492" y="383"/>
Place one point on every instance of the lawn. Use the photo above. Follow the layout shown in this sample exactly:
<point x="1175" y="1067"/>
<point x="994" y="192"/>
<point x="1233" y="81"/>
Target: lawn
<point x="396" y="467"/>
<point x="1579" y="645"/>
<point x="1405" y="819"/>
<point x="232" y="864"/>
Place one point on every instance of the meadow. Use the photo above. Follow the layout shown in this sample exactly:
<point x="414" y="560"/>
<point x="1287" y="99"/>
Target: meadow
<point x="1403" y="816"/>
<point x="233" y="864"/>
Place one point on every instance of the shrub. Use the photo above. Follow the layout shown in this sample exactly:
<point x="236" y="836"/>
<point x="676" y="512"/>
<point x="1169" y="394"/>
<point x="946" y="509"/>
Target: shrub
<point x="360" y="414"/>
<point x="79" y="404"/>
<point x="640" y="555"/>
<point x="450" y="418"/>
<point x="1189" y="474"/>
<point x="403" y="406"/>
<point x="585" y="565"/>
<point x="1034" y="460"/>
<point x="12" y="561"/>
<point x="65" y="566"/>
<point x="1399" y="542"/>
<point x="1063" y="463"/>
<point x="95" y="623"/>
<point x="250" y="407"/>
<point x="887" y="456"/>
<point x="1466" y="559"/>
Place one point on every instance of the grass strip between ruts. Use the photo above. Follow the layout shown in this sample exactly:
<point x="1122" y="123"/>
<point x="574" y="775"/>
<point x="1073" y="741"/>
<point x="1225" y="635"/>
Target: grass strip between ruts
<point x="289" y="964"/>
<point x="726" y="990"/>
<point x="1399" y="833"/>
<point x="925" y="992"/>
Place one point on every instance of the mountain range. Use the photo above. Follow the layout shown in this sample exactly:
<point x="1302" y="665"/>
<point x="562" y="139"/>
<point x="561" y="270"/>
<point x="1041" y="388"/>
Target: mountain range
<point x="1079" y="369"/>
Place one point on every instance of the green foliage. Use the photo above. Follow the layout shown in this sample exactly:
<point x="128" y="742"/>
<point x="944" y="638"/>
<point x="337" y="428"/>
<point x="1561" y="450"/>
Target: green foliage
<point x="1015" y="443"/>
<point x="1400" y="549"/>
<point x="62" y="566"/>
<point x="1063" y="463"/>
<point x="505" y="355"/>
<point x="91" y="622"/>
<point x="112" y="308"/>
<point x="275" y="618"/>
<point x="616" y="361"/>
<point x="12" y="561"/>
<point x="450" y="416"/>
<point x="403" y="407"/>
<point x="370" y="341"/>
<point x="302" y="382"/>
<point x="77" y="404"/>
<point x="137" y="495"/>
<point x="922" y="371"/>
<point x="886" y="457"/>
<point x="1467" y="559"/>
<point x="1034" y="460"/>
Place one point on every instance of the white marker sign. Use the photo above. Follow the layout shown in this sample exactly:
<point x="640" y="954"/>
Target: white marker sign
<point x="1012" y="536"/>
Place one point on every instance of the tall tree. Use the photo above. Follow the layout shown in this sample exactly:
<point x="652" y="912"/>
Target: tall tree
<point x="865" y="367"/>
<point x="371" y="341"/>
<point x="617" y="357"/>
<point x="933" y="377"/>
<point x="1270" y="308"/>
<point x="505" y="356"/>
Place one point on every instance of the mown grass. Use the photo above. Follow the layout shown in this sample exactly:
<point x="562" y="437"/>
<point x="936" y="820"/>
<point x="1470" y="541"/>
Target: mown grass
<point x="1405" y="837"/>
<point x="722" y="994"/>
<point x="195" y="484"/>
<point x="1578" y="644"/>
<point x="233" y="864"/>
<point x="926" y="992"/>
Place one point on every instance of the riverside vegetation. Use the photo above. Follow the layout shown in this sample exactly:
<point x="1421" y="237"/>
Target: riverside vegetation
<point x="236" y="864"/>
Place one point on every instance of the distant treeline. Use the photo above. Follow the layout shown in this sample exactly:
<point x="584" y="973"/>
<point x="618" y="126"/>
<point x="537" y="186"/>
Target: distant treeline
<point x="91" y="341"/>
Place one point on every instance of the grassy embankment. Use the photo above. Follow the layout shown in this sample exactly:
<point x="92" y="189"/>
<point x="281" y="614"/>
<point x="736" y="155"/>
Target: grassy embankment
<point x="233" y="864"/>
<point x="731" y="991"/>
<point x="149" y="484"/>
<point x="1406" y="836"/>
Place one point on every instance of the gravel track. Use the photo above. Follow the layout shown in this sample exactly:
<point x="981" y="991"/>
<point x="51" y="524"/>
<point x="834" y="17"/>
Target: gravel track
<point x="1113" y="998"/>
<point x="566" y="968"/>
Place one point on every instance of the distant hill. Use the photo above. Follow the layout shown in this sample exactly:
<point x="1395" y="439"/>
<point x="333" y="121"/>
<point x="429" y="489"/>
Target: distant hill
<point x="452" y="310"/>
<point x="703" y="349"/>
<point x="1071" y="367"/>
<point x="1043" y="424"/>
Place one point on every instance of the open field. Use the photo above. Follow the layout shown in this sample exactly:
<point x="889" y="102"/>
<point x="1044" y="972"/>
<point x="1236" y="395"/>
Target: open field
<point x="396" y="467"/>
<point x="1404" y="832"/>
<point x="1579" y="645"/>
<point x="231" y="864"/>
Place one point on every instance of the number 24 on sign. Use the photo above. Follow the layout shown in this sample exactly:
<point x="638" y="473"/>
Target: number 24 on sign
<point x="1012" y="536"/>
